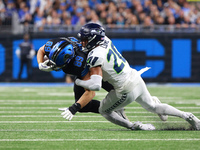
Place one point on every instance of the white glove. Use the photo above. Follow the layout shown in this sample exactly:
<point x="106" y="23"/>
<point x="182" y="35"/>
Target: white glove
<point x="66" y="113"/>
<point x="44" y="67"/>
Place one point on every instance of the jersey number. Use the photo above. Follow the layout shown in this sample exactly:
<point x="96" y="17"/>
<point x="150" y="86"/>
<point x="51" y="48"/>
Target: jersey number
<point x="118" y="68"/>
<point x="48" y="45"/>
<point x="78" y="61"/>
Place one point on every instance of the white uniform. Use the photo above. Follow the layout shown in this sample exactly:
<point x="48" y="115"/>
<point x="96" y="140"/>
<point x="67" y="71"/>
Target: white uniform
<point x="117" y="72"/>
<point x="115" y="68"/>
<point x="128" y="86"/>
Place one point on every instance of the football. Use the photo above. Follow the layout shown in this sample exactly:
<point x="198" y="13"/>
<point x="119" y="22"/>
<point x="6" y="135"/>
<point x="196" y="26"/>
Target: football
<point x="49" y="63"/>
<point x="45" y="57"/>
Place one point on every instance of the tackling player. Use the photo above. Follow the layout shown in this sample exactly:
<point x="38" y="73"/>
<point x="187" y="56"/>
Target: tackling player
<point x="66" y="54"/>
<point x="106" y="63"/>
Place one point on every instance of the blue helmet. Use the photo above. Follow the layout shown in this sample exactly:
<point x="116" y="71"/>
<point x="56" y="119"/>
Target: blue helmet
<point x="62" y="53"/>
<point x="93" y="33"/>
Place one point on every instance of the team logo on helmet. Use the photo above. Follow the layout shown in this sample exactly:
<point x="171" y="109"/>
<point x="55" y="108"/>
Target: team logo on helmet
<point x="93" y="33"/>
<point x="62" y="53"/>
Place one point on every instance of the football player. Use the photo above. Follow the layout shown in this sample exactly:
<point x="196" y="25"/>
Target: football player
<point x="66" y="54"/>
<point x="106" y="63"/>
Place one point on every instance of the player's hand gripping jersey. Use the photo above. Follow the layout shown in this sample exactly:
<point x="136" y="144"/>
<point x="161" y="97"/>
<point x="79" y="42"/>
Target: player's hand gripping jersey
<point x="77" y="66"/>
<point x="115" y="68"/>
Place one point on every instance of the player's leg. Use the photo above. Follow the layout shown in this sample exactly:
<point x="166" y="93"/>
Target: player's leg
<point x="108" y="87"/>
<point x="92" y="106"/>
<point x="147" y="102"/>
<point x="162" y="117"/>
<point x="113" y="102"/>
<point x="121" y="112"/>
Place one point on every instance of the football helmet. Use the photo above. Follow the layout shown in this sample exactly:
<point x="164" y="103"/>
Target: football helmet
<point x="92" y="33"/>
<point x="62" y="53"/>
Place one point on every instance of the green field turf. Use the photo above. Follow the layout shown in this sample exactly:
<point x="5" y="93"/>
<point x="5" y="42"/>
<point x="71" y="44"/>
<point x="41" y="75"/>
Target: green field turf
<point x="29" y="119"/>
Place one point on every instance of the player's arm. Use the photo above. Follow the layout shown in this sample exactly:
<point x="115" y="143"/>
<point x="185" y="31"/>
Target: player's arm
<point x="40" y="55"/>
<point x="95" y="81"/>
<point x="43" y="64"/>
<point x="87" y="96"/>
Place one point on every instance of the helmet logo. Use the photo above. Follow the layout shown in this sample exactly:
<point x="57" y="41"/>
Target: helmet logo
<point x="99" y="32"/>
<point x="66" y="56"/>
<point x="95" y="31"/>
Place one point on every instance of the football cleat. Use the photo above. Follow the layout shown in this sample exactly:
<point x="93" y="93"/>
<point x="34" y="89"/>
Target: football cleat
<point x="193" y="120"/>
<point x="121" y="113"/>
<point x="162" y="117"/>
<point x="140" y="126"/>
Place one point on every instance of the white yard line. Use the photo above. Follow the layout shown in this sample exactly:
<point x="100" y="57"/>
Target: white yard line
<point x="29" y="108"/>
<point x="46" y="112"/>
<point x="37" y="103"/>
<point x="58" y="116"/>
<point x="55" y="108"/>
<point x="9" y="122"/>
<point x="56" y="94"/>
<point x="57" y="140"/>
<point x="77" y="116"/>
<point x="28" y="112"/>
<point x="52" y="122"/>
<point x="38" y="100"/>
<point x="143" y="108"/>
<point x="58" y="130"/>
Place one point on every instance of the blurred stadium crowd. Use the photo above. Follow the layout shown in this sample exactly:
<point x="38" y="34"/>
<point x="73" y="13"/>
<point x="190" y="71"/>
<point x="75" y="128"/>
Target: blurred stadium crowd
<point x="112" y="13"/>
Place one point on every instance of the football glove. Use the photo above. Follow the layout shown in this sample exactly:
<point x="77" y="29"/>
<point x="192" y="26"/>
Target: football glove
<point x="45" y="67"/>
<point x="68" y="113"/>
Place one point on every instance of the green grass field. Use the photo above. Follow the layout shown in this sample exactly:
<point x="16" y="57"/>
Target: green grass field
<point x="29" y="119"/>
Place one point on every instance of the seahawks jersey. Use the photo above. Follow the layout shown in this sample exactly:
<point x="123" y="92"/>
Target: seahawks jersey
<point x="115" y="68"/>
<point x="77" y="66"/>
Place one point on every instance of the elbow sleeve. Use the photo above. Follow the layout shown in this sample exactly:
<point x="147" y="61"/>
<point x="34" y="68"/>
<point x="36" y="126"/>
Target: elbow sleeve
<point x="93" y="84"/>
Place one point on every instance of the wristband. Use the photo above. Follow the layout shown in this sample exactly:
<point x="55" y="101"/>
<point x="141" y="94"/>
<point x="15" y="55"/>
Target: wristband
<point x="74" y="108"/>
